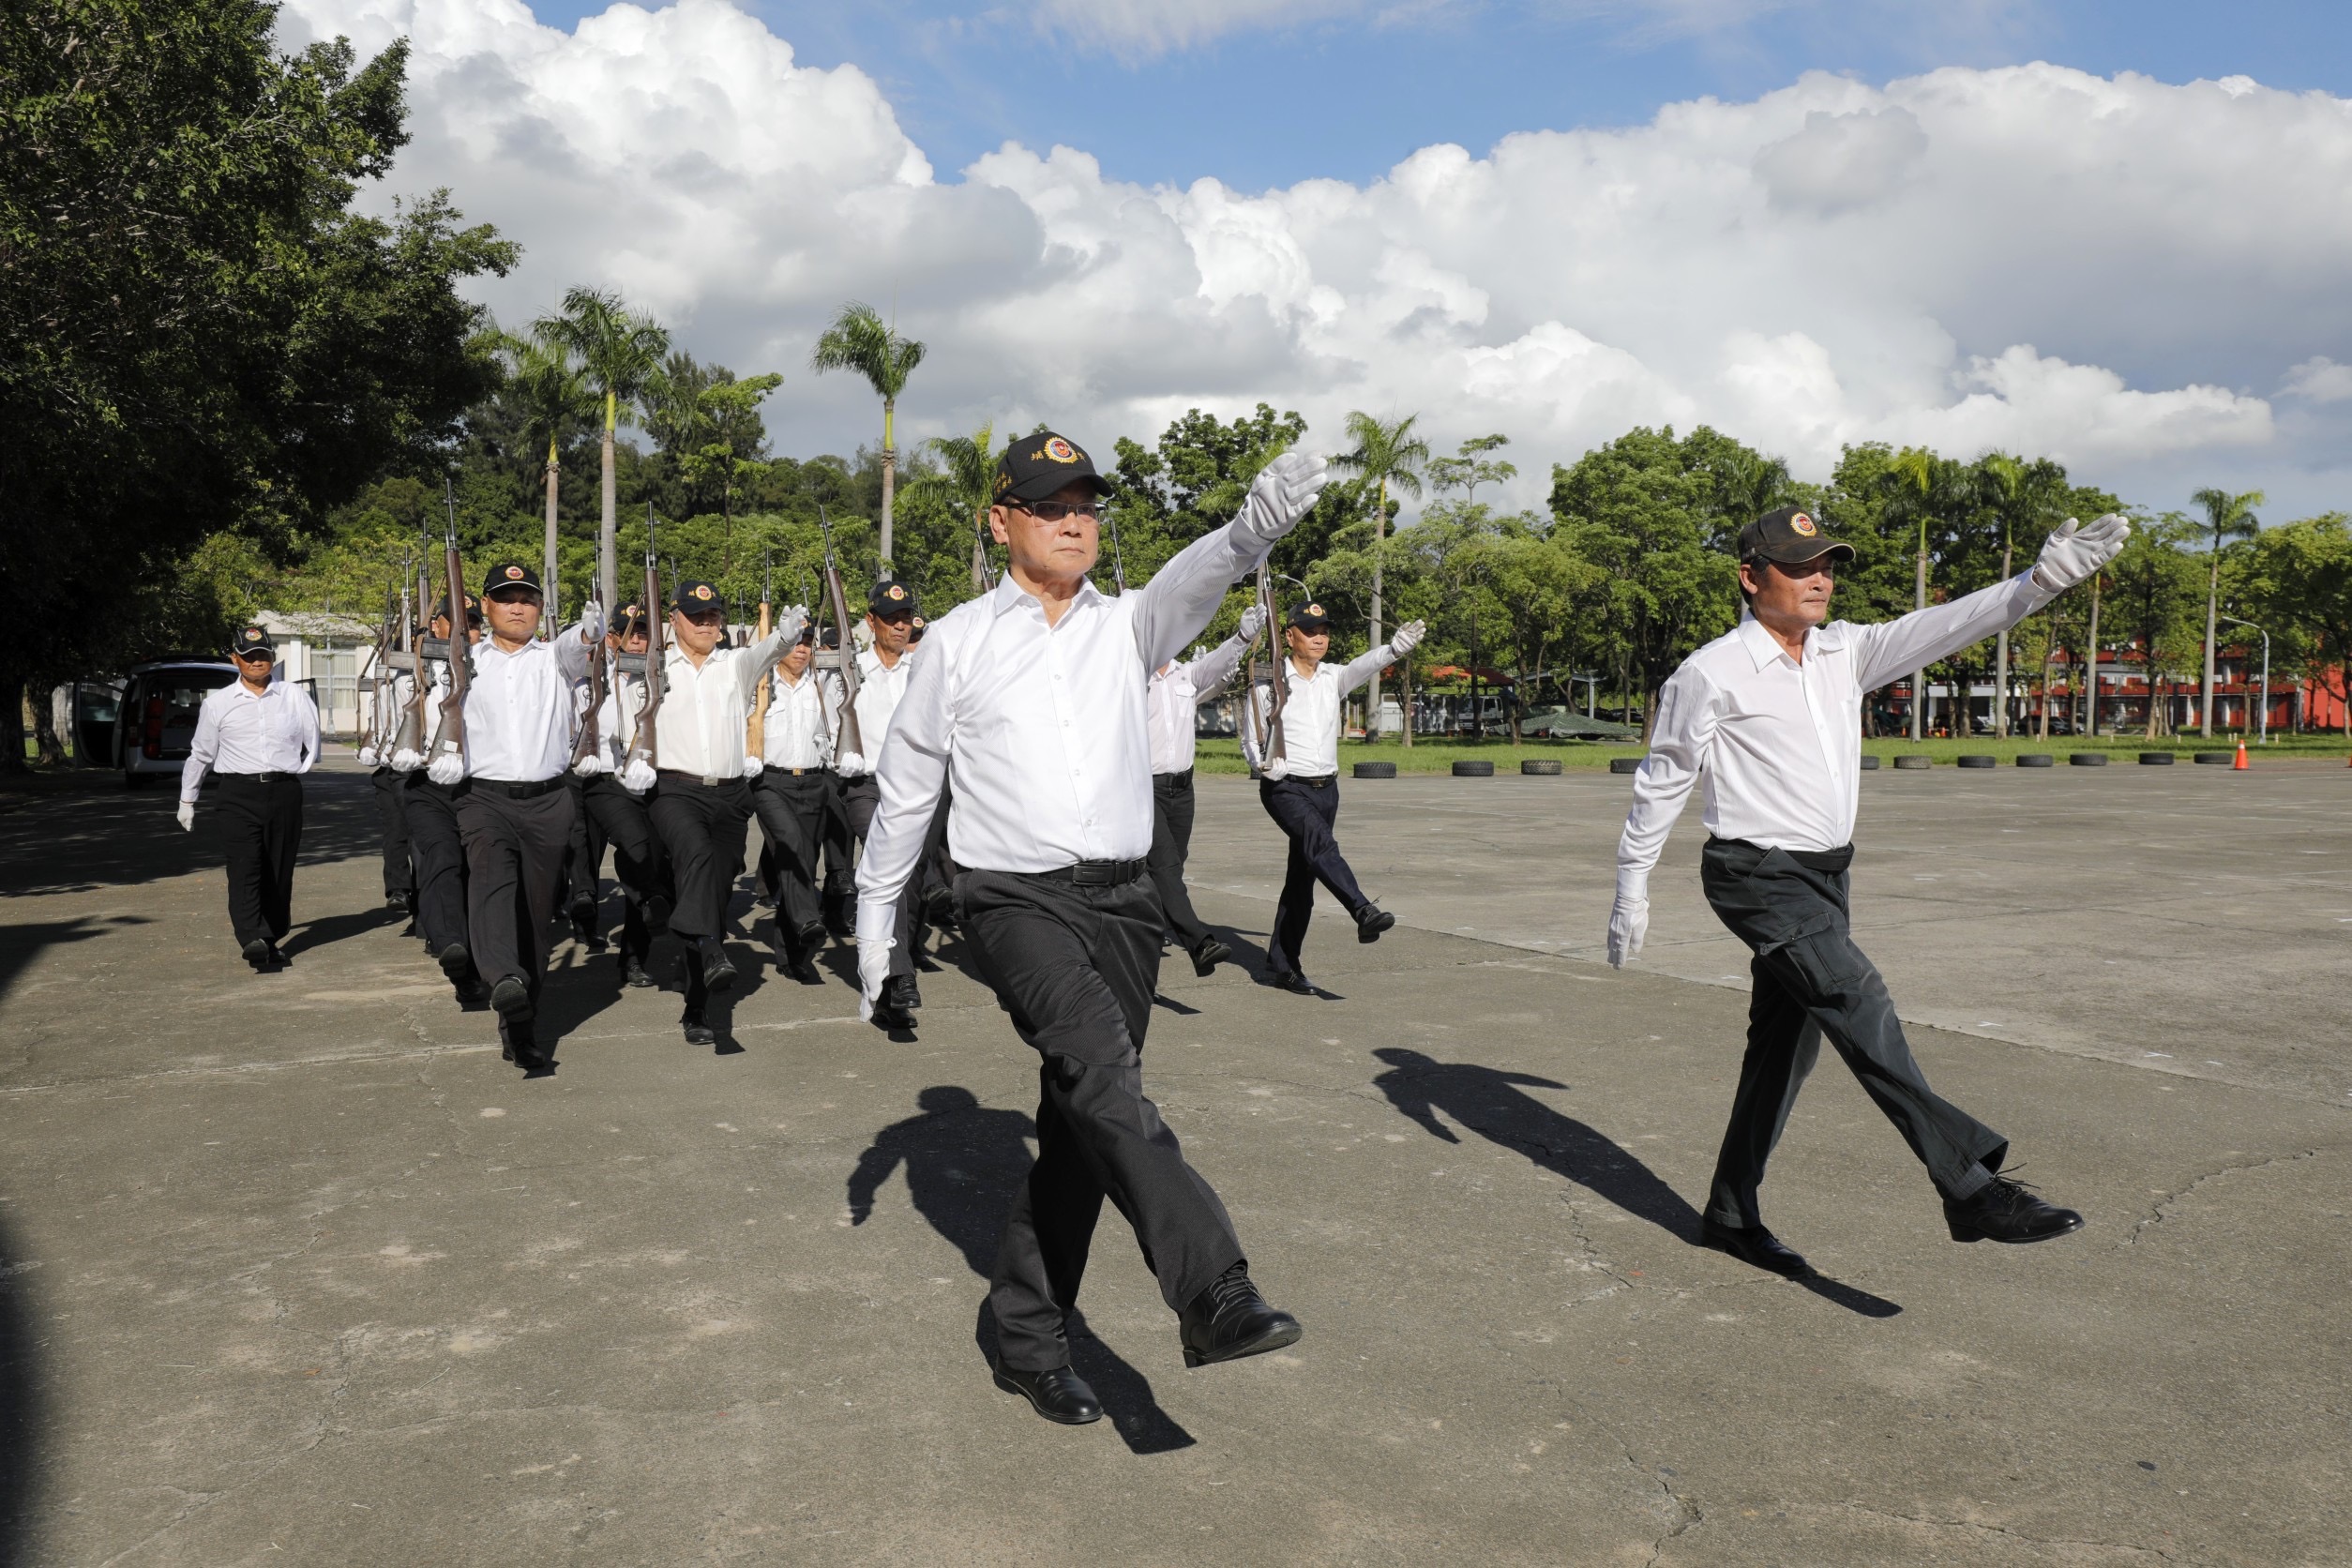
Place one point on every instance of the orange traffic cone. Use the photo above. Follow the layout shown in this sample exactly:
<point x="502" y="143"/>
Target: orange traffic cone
<point x="2241" y="765"/>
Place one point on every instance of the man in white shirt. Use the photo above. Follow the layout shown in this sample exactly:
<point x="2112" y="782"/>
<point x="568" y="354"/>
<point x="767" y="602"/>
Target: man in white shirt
<point x="1770" y="714"/>
<point x="618" y="812"/>
<point x="1299" y="789"/>
<point x="882" y="673"/>
<point x="791" y="799"/>
<point x="1172" y="708"/>
<point x="512" y="805"/>
<point x="436" y="847"/>
<point x="701" y="806"/>
<point x="258" y="737"/>
<point x="1032" y="700"/>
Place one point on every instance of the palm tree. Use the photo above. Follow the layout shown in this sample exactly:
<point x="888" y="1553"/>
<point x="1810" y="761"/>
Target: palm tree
<point x="1749" y="484"/>
<point x="2227" y="517"/>
<point x="859" y="339"/>
<point x="555" y="400"/>
<point x="1385" y="453"/>
<point x="967" y="472"/>
<point x="620" y="351"/>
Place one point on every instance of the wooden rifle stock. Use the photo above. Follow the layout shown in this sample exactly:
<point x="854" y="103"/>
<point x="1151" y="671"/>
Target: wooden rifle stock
<point x="644" y="746"/>
<point x="755" y="731"/>
<point x="1271" y="744"/>
<point x="847" y="737"/>
<point x="451" y="741"/>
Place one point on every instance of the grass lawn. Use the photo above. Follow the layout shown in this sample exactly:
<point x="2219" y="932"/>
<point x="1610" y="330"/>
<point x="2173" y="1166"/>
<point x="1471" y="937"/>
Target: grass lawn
<point x="1439" y="756"/>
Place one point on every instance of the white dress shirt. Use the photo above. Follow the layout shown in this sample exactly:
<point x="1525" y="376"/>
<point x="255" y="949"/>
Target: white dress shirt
<point x="799" y="735"/>
<point x="1310" y="709"/>
<point x="1779" y="742"/>
<point x="519" y="708"/>
<point x="880" y="690"/>
<point x="1041" y="728"/>
<point x="701" y="728"/>
<point x="1173" y="702"/>
<point x="239" y="730"/>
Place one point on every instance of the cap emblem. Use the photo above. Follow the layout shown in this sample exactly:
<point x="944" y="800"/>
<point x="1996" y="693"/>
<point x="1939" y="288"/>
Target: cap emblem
<point x="1803" y="524"/>
<point x="701" y="590"/>
<point x="1314" y="609"/>
<point x="1061" y="450"/>
<point x="514" y="574"/>
<point x="894" y="592"/>
<point x="252" y="634"/>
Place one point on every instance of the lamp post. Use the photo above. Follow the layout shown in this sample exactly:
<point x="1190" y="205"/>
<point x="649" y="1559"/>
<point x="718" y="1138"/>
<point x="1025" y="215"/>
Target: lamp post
<point x="2237" y="621"/>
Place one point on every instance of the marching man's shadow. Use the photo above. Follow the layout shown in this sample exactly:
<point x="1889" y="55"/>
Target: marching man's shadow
<point x="1491" y="1103"/>
<point x="964" y="1163"/>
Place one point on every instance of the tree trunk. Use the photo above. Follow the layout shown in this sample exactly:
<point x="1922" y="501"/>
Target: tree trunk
<point x="2212" y="607"/>
<point x="2090" y="657"/>
<point x="1380" y="532"/>
<point x="890" y="474"/>
<point x="12" y="721"/>
<point x="607" y="525"/>
<point x="2152" y="709"/>
<point x="1919" y="677"/>
<point x="547" y="570"/>
<point x="2000" y="663"/>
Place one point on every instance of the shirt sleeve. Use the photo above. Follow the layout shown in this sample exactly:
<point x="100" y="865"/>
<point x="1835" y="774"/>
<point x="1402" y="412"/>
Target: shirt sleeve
<point x="1211" y="669"/>
<point x="307" y="723"/>
<point x="200" y="749"/>
<point x="1364" y="667"/>
<point x="1893" y="648"/>
<point x="1679" y="742"/>
<point x="1183" y="596"/>
<point x="757" y="660"/>
<point x="571" y="653"/>
<point x="911" y="771"/>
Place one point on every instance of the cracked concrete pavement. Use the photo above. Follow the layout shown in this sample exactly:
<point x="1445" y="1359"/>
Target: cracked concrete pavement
<point x="296" y="1270"/>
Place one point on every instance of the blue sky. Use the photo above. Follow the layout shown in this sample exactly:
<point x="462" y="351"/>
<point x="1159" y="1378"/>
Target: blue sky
<point x="1347" y="99"/>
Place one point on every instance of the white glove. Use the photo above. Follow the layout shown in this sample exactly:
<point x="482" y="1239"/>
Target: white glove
<point x="1278" y="770"/>
<point x="2074" y="552"/>
<point x="873" y="969"/>
<point x="447" y="769"/>
<point x="789" y="622"/>
<point x="1252" y="619"/>
<point x="406" y="760"/>
<point x="187" y="816"/>
<point x="1284" y="491"/>
<point x="752" y="766"/>
<point x="1408" y="638"/>
<point x="638" y="776"/>
<point x="592" y="765"/>
<point x="850" y="766"/>
<point x="591" y="627"/>
<point x="367" y="756"/>
<point x="1629" y="922"/>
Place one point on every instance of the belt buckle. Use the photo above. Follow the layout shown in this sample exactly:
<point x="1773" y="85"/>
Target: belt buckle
<point x="710" y="781"/>
<point x="1084" y="875"/>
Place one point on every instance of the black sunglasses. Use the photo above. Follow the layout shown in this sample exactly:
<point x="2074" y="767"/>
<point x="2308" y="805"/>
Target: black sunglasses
<point x="1054" y="511"/>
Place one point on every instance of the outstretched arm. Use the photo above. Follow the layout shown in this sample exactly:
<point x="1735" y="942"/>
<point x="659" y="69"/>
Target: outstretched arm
<point x="1182" y="596"/>
<point x="2071" y="555"/>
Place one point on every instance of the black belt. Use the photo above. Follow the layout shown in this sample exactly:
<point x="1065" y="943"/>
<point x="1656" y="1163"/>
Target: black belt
<point x="1095" y="873"/>
<point x="1183" y="778"/>
<point x="708" y="780"/>
<point x="514" y="789"/>
<point x="1312" y="780"/>
<point x="257" y="777"/>
<point x="790" y="773"/>
<point x="1833" y="861"/>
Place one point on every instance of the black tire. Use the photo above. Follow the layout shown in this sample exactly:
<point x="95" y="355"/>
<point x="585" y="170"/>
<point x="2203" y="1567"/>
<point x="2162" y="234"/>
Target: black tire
<point x="1473" y="770"/>
<point x="1624" y="764"/>
<point x="2156" y="759"/>
<point x="1540" y="767"/>
<point x="2036" y="760"/>
<point x="2216" y="759"/>
<point x="1376" y="770"/>
<point x="2087" y="759"/>
<point x="1869" y="763"/>
<point x="1977" y="760"/>
<point x="1914" y="762"/>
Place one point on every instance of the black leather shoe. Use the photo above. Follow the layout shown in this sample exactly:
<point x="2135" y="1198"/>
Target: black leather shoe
<point x="1291" y="980"/>
<point x="901" y="991"/>
<point x="811" y="937"/>
<point x="509" y="996"/>
<point x="803" y="968"/>
<point x="257" y="954"/>
<point x="523" y="1045"/>
<point x="633" y="973"/>
<point x="1372" y="922"/>
<point x="697" y="1032"/>
<point x="1753" y="1245"/>
<point x="939" y="911"/>
<point x="1230" y="1319"/>
<point x="1060" y="1394"/>
<point x="2006" y="1211"/>
<point x="456" y="962"/>
<point x="278" y="956"/>
<point x="1210" y="953"/>
<point x="838" y="920"/>
<point x="398" y="903"/>
<point x="718" y="970"/>
<point x="889" y="1012"/>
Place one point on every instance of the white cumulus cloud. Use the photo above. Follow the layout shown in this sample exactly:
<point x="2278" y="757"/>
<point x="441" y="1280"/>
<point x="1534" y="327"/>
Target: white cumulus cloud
<point x="2030" y="258"/>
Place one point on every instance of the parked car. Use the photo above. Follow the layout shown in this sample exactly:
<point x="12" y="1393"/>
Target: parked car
<point x="157" y="721"/>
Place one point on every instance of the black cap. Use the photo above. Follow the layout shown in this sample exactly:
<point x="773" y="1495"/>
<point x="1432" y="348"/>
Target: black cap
<point x="511" y="574"/>
<point x="808" y="637"/>
<point x="1310" y="617"/>
<point x="916" y="635"/>
<point x="697" y="598"/>
<point x="1034" y="467"/>
<point x="833" y="637"/>
<point x="1789" y="535"/>
<point x="472" y="610"/>
<point x="890" y="598"/>
<point x="251" y="639"/>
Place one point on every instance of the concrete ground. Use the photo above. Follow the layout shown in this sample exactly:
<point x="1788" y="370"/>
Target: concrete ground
<point x="293" y="1270"/>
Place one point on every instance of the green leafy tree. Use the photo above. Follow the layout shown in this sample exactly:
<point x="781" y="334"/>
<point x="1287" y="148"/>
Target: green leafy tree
<point x="1471" y="466"/>
<point x="860" y="341"/>
<point x="620" y="353"/>
<point x="2298" y="585"/>
<point x="965" y="481"/>
<point x="557" y="402"/>
<point x="2153" y="602"/>
<point x="1386" y="456"/>
<point x="2227" y="518"/>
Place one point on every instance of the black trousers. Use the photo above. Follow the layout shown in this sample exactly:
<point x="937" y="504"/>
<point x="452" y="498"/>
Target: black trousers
<point x="260" y="823"/>
<point x="1172" y="842"/>
<point x="619" y="819"/>
<point x="514" y="857"/>
<point x="438" y="849"/>
<point x="1811" y="980"/>
<point x="860" y="797"/>
<point x="1304" y="810"/>
<point x="400" y="877"/>
<point x="583" y="859"/>
<point x="1076" y="968"/>
<point x="791" y="809"/>
<point x="840" y="843"/>
<point x="702" y="828"/>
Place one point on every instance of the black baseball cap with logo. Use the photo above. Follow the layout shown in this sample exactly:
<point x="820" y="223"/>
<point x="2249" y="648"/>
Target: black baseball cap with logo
<point x="472" y="610"/>
<point x="1789" y="535"/>
<point x="251" y="639"/>
<point x="1310" y="617"/>
<point x="697" y="598"/>
<point x="509" y="575"/>
<point x="890" y="599"/>
<point x="1035" y="467"/>
<point x="916" y="635"/>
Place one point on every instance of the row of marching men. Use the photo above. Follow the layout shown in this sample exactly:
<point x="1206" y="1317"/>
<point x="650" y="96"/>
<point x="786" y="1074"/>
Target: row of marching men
<point x="495" y="833"/>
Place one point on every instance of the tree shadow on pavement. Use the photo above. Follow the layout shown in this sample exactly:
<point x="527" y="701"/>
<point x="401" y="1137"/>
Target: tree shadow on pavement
<point x="20" y="945"/>
<point x="1489" y="1102"/>
<point x="96" y="834"/>
<point x="964" y="1163"/>
<point x="23" y="1413"/>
